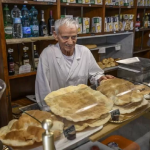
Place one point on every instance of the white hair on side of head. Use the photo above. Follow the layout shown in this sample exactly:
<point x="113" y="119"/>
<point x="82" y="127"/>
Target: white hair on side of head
<point x="65" y="21"/>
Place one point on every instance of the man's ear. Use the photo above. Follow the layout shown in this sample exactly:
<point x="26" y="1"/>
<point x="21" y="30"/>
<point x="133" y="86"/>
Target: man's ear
<point x="55" y="35"/>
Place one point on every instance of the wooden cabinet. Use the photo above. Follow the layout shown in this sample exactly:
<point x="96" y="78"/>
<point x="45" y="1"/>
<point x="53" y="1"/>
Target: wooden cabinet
<point x="20" y="85"/>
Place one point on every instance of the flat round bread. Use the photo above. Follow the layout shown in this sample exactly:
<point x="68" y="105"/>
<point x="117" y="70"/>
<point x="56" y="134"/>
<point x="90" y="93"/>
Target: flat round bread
<point x="130" y="109"/>
<point x="79" y="105"/>
<point x="81" y="125"/>
<point x="27" y="131"/>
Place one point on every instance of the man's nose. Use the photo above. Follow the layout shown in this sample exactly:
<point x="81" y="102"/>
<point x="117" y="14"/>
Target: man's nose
<point x="70" y="41"/>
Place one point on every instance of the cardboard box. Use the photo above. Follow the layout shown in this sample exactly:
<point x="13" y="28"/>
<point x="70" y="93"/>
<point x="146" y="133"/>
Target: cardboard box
<point x="66" y="16"/>
<point x="79" y="20"/>
<point x="86" y="25"/>
<point x="86" y="1"/>
<point x="96" y="24"/>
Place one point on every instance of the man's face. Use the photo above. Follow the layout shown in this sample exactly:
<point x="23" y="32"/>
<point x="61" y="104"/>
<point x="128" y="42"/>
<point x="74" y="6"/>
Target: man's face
<point x="67" y="37"/>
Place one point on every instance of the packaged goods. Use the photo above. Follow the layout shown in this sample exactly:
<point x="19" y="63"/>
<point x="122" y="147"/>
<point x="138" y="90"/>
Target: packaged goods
<point x="86" y="25"/>
<point x="63" y="1"/>
<point x="96" y="24"/>
<point x="66" y="16"/>
<point x="131" y="3"/>
<point x="105" y="25"/>
<point x="115" y="23"/>
<point x="79" y="20"/>
<point x="109" y="24"/>
<point x="108" y="2"/>
<point x="121" y="2"/>
<point x="86" y="2"/>
<point x="126" y="22"/>
<point x="71" y="1"/>
<point x="98" y="2"/>
<point x="79" y="1"/>
<point x="131" y="16"/>
<point x="140" y="2"/>
<point x="126" y="2"/>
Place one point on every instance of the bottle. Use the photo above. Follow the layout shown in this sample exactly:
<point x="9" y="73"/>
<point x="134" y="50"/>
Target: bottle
<point x="50" y="24"/>
<point x="34" y="25"/>
<point x="148" y="20"/>
<point x="7" y="22"/>
<point x="10" y="60"/>
<point x="26" y="28"/>
<point x="25" y="12"/>
<point x="16" y="13"/>
<point x="138" y="23"/>
<point x="17" y="26"/>
<point x="33" y="12"/>
<point x="25" y="57"/>
<point x="25" y="22"/>
<point x="42" y="26"/>
<point x="36" y="57"/>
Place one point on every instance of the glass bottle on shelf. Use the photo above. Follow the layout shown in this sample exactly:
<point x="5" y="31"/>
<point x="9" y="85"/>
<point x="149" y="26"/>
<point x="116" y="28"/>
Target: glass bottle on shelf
<point x="138" y="22"/>
<point x="25" y="22"/>
<point x="36" y="57"/>
<point x="34" y="24"/>
<point x="42" y="25"/>
<point x="148" y="20"/>
<point x="25" y="57"/>
<point x="17" y="26"/>
<point x="10" y="61"/>
<point x="33" y="12"/>
<point x="50" y="24"/>
<point x="7" y="22"/>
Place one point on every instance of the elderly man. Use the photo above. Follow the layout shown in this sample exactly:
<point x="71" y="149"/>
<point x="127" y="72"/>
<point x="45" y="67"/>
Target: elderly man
<point x="65" y="63"/>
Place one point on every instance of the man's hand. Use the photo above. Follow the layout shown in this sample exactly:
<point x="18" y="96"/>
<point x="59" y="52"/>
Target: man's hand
<point x="106" y="77"/>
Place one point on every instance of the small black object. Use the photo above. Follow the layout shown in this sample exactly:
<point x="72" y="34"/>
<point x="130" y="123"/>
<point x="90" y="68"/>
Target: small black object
<point x="70" y="132"/>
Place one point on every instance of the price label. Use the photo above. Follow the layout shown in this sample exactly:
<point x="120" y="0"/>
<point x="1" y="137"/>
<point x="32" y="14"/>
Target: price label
<point x="25" y="68"/>
<point x="69" y="130"/>
<point x="89" y="5"/>
<point x="115" y="113"/>
<point x="10" y="50"/>
<point x="129" y="7"/>
<point x="25" y="1"/>
<point x="117" y="47"/>
<point x="102" y="50"/>
<point x="67" y="3"/>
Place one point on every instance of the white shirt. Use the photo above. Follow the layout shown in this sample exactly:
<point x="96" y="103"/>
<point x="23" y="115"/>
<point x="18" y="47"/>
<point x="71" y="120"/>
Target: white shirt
<point x="52" y="72"/>
<point x="69" y="61"/>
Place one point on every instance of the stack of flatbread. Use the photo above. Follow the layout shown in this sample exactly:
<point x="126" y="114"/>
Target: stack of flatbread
<point x="28" y="131"/>
<point x="126" y="96"/>
<point x="80" y="105"/>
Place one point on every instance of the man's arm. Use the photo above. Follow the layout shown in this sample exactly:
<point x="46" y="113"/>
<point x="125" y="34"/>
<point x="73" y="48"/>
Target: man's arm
<point x="95" y="72"/>
<point x="42" y="87"/>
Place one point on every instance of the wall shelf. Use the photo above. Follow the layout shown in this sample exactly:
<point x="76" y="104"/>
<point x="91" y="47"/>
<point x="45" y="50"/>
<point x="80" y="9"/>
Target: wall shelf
<point x="28" y="40"/>
<point x="111" y="6"/>
<point x="110" y="69"/>
<point x="79" y="5"/>
<point x="28" y="2"/>
<point x="106" y="45"/>
<point x="143" y="29"/>
<point x="22" y="75"/>
<point x="136" y="51"/>
<point x="143" y="7"/>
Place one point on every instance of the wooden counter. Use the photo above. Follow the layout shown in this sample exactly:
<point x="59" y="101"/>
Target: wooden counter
<point x="111" y="127"/>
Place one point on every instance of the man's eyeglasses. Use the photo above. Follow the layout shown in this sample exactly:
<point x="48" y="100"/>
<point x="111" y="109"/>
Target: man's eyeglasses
<point x="67" y="37"/>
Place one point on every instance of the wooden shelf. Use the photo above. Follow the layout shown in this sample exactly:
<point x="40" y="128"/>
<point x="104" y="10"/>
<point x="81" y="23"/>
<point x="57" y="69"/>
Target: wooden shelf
<point x="143" y="29"/>
<point x="138" y="50"/>
<point x="22" y="75"/>
<point x="28" y="2"/>
<point x="111" y="6"/>
<point x="28" y="40"/>
<point x="142" y="7"/>
<point x="22" y="102"/>
<point x="79" y="5"/>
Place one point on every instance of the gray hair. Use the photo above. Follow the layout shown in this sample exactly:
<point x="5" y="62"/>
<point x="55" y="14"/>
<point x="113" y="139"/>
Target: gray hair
<point x="65" y="21"/>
